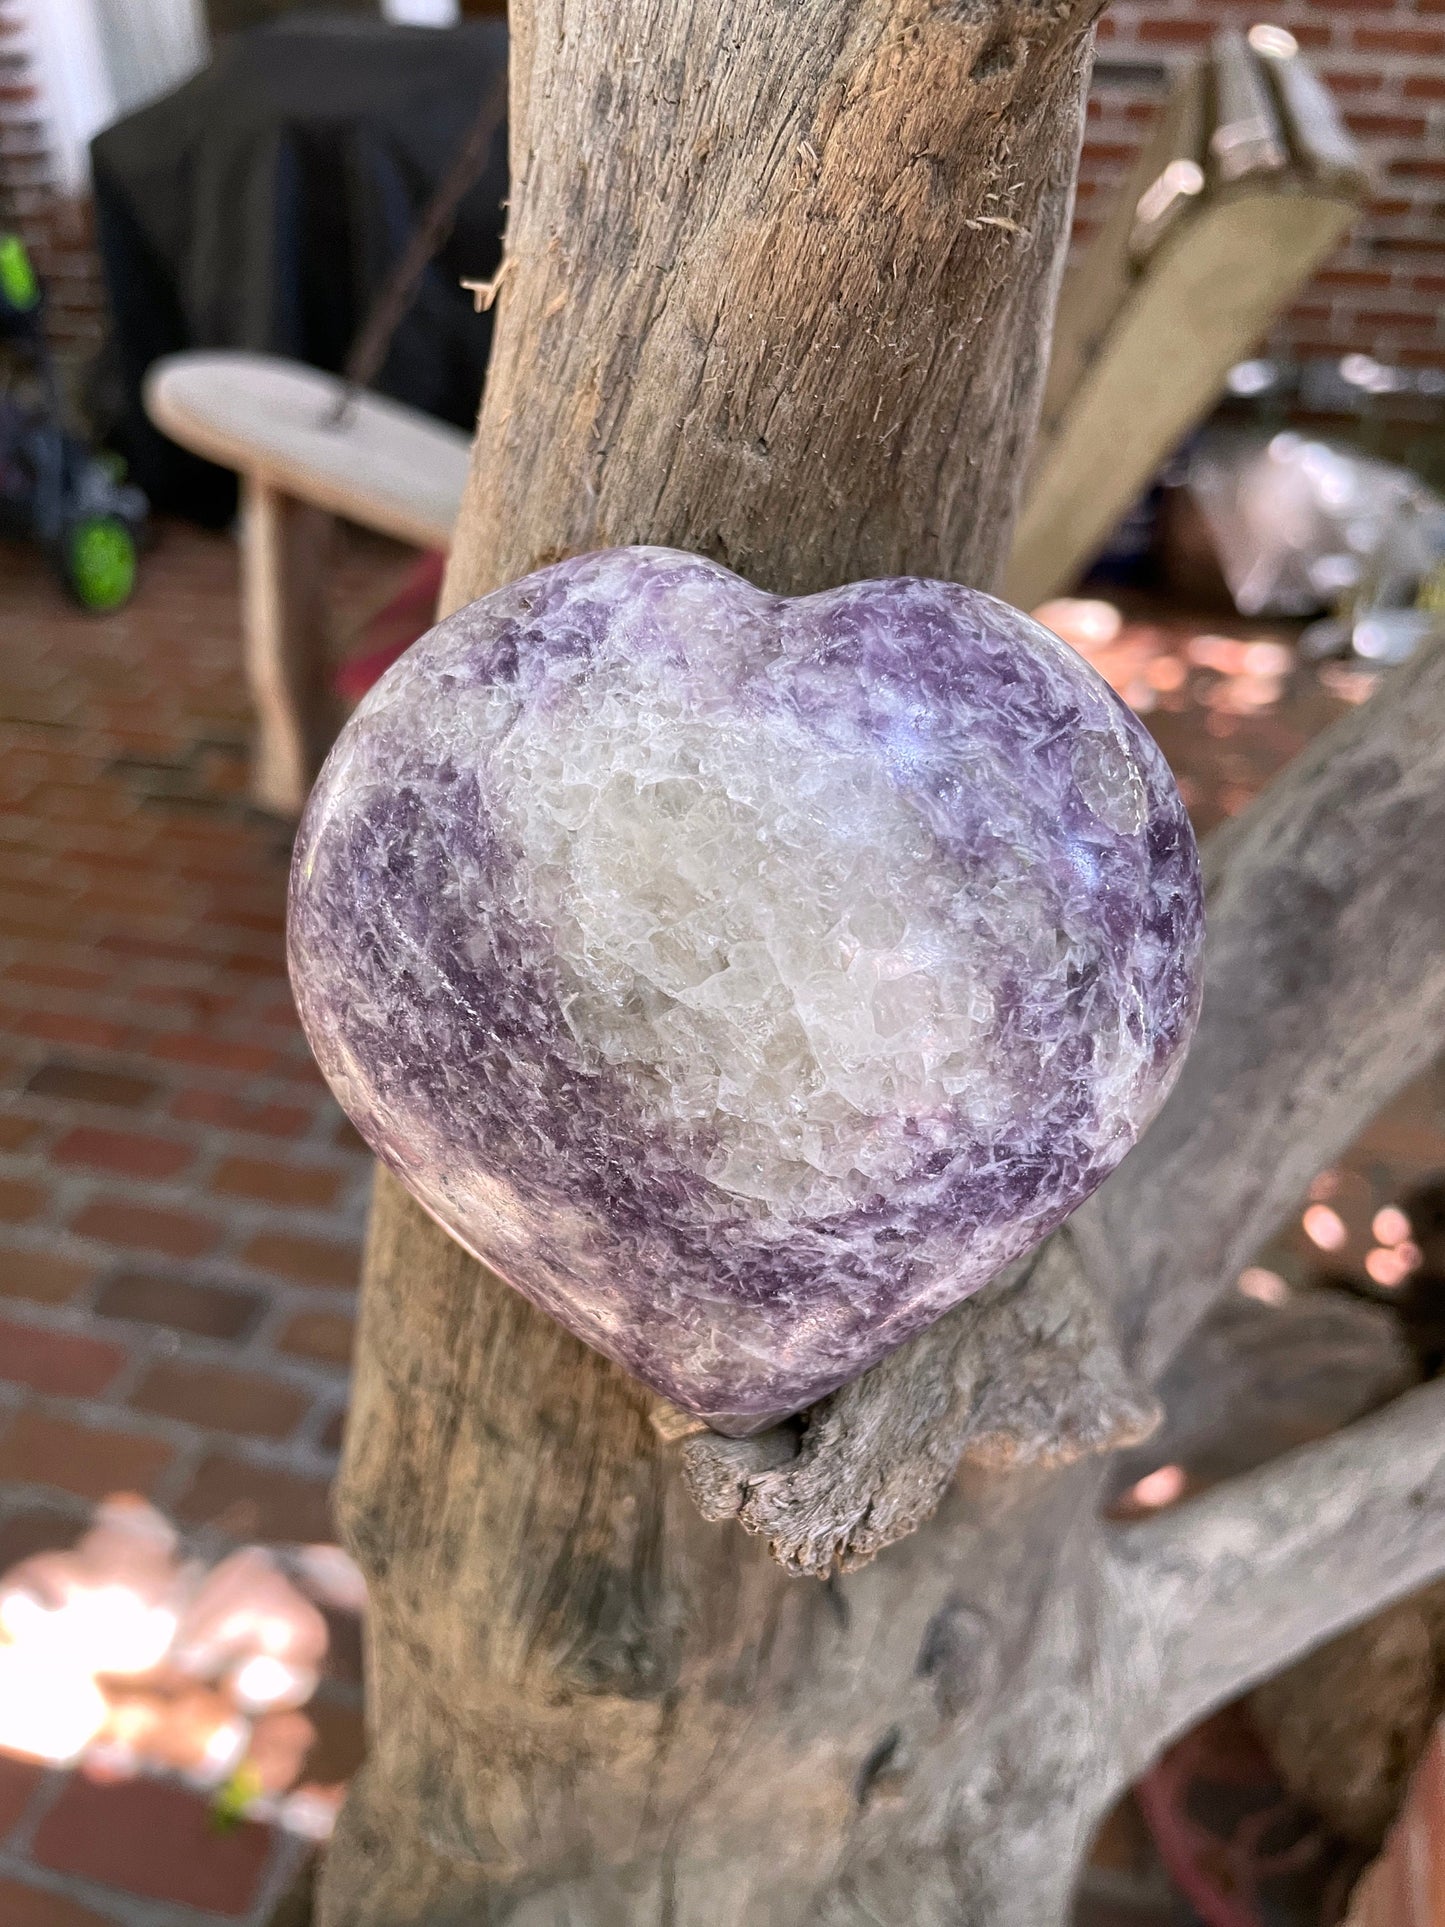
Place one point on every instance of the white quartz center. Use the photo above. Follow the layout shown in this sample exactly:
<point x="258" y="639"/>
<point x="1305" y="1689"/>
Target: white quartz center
<point x="759" y="928"/>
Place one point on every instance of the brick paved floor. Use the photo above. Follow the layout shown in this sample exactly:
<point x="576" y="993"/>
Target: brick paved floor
<point x="180" y="1200"/>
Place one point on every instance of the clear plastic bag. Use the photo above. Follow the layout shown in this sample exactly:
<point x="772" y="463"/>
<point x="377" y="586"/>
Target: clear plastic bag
<point x="1302" y="527"/>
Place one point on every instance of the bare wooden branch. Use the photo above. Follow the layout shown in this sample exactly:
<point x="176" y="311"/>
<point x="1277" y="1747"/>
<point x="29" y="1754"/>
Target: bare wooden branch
<point x="1025" y="1375"/>
<point x="779" y="291"/>
<point x="752" y="311"/>
<point x="1258" y="1380"/>
<point x="1324" y="994"/>
<point x="1230" y="1587"/>
<point x="1028" y="1375"/>
<point x="762" y="375"/>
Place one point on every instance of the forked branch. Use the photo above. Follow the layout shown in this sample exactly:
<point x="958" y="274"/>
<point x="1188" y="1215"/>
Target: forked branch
<point x="1256" y="1381"/>
<point x="1324" y="993"/>
<point x="1229" y="1588"/>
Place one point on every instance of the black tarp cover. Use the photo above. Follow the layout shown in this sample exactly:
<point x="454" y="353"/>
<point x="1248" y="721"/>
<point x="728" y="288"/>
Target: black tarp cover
<point x="261" y="205"/>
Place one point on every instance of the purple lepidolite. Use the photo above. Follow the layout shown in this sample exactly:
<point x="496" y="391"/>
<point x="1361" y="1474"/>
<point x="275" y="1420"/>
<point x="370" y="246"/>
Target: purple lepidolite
<point x="745" y="979"/>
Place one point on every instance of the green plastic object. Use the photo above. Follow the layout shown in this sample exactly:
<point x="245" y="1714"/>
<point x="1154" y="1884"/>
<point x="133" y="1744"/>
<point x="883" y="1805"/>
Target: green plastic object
<point x="18" y="282"/>
<point x="99" y="562"/>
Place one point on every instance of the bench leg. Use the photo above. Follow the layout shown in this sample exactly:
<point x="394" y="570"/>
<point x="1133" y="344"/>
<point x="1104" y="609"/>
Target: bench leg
<point x="286" y="549"/>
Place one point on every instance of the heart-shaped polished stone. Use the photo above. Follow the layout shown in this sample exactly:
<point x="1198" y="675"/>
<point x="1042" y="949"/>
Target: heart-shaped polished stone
<point x="745" y="979"/>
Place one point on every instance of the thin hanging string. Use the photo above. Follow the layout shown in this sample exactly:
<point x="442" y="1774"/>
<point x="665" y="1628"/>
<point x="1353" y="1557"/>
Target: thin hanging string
<point x="397" y="292"/>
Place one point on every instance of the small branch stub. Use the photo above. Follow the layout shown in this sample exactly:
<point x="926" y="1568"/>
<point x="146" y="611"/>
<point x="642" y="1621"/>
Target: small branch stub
<point x="484" y="293"/>
<point x="1026" y="1374"/>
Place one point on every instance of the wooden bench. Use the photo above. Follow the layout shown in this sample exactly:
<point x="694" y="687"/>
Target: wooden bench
<point x="384" y="466"/>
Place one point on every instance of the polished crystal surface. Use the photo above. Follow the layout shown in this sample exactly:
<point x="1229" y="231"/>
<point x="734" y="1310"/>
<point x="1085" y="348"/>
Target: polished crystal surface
<point x="745" y="979"/>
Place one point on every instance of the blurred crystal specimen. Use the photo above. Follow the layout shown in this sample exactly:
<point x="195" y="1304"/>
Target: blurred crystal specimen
<point x="123" y="1656"/>
<point x="746" y="979"/>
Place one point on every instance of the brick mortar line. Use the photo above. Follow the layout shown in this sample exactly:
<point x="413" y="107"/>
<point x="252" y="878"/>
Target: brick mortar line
<point x="226" y="1250"/>
<point x="322" y="1116"/>
<point x="135" y="1910"/>
<point x="172" y="973"/>
<point x="140" y="924"/>
<point x="209" y="1152"/>
<point x="102" y="746"/>
<point x="110" y="1903"/>
<point x="211" y="1271"/>
<point x="76" y="874"/>
<point x="316" y="1298"/>
<point x="287" y="1856"/>
<point x="68" y="1504"/>
<point x="46" y="1792"/>
<point x="73" y="1188"/>
<point x="316" y="1421"/>
<point x="30" y="1234"/>
<point x="196" y="1544"/>
<point x="317" y="1382"/>
<point x="99" y="1413"/>
<point x="114" y="799"/>
<point x="310" y="1378"/>
<point x="173" y="1080"/>
<point x="166" y="1070"/>
<point x="180" y="1475"/>
<point x="299" y="1457"/>
<point x="219" y="959"/>
<point x="164" y="825"/>
<point x="150" y="1117"/>
<point x="122" y="918"/>
<point x="322" y="1388"/>
<point x="104" y="742"/>
<point x="61" y="1189"/>
<point x="63" y="1000"/>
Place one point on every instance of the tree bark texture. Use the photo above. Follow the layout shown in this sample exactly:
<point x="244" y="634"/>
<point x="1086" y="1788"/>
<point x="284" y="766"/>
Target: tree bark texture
<point x="779" y="288"/>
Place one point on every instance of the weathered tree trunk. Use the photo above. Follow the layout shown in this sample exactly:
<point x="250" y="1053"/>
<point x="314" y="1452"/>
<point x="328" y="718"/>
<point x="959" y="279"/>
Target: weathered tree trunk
<point x="779" y="287"/>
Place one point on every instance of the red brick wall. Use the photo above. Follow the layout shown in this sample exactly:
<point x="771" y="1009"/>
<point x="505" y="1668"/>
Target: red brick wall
<point x="1384" y="292"/>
